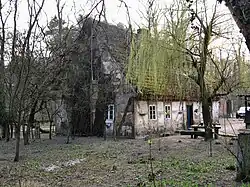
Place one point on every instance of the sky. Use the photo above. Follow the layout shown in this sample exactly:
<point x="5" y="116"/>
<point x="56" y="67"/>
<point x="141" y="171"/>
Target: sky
<point x="115" y="11"/>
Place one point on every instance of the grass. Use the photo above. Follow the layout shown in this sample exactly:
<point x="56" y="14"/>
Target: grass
<point x="176" y="171"/>
<point x="123" y="163"/>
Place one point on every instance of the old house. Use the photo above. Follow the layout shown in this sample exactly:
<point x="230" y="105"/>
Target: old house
<point x="168" y="115"/>
<point x="110" y="97"/>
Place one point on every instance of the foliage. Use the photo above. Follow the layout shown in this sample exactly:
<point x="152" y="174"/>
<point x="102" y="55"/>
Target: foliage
<point x="156" y="61"/>
<point x="170" y="60"/>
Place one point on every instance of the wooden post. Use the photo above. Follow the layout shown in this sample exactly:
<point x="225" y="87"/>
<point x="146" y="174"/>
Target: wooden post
<point x="243" y="155"/>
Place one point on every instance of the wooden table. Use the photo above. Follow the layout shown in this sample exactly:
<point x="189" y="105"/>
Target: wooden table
<point x="216" y="128"/>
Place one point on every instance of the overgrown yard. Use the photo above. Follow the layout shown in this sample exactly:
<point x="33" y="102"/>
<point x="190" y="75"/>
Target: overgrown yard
<point x="177" y="161"/>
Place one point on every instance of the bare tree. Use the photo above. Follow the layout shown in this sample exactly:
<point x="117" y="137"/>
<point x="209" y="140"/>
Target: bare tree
<point x="3" y="17"/>
<point x="19" y="67"/>
<point x="204" y="60"/>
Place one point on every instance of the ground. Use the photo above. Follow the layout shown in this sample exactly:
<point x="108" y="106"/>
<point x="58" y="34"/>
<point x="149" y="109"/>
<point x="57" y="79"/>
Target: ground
<point x="231" y="126"/>
<point x="177" y="161"/>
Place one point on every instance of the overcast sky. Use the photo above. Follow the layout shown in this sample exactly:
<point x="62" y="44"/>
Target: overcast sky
<point x="114" y="12"/>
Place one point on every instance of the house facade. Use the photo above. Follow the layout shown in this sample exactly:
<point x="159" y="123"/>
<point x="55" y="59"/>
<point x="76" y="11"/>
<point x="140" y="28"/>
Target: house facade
<point x="148" y="116"/>
<point x="168" y="116"/>
<point x="126" y="112"/>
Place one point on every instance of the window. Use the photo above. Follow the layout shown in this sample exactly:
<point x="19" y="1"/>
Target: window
<point x="152" y="112"/>
<point x="111" y="112"/>
<point x="167" y="112"/>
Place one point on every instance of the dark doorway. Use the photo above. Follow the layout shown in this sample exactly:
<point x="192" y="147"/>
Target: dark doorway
<point x="189" y="116"/>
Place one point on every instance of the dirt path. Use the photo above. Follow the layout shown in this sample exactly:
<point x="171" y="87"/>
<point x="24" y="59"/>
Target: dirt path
<point x="231" y="125"/>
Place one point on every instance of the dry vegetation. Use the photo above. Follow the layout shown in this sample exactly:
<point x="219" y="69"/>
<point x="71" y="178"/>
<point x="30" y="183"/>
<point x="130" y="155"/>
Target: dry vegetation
<point x="181" y="161"/>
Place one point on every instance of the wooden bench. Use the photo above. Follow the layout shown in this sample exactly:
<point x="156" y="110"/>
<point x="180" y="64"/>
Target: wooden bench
<point x="194" y="134"/>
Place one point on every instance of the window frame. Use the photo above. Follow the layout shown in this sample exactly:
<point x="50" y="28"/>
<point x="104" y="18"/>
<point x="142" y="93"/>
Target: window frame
<point x="154" y="112"/>
<point x="170" y="111"/>
<point x="109" y="112"/>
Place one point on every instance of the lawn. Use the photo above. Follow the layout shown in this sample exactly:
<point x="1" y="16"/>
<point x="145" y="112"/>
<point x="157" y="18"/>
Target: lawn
<point x="176" y="161"/>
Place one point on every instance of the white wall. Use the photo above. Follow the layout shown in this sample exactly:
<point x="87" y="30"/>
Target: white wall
<point x="144" y="125"/>
<point x="178" y="114"/>
<point x="216" y="111"/>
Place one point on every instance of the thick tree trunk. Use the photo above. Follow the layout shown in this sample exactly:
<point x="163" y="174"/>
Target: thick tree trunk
<point x="241" y="14"/>
<point x="99" y="122"/>
<point x="101" y="105"/>
<point x="207" y="118"/>
<point x="69" y="110"/>
<point x="30" y="123"/>
<point x="17" y="135"/>
<point x="124" y="115"/>
<point x="11" y="126"/>
<point x="206" y="106"/>
<point x="27" y="135"/>
<point x="24" y="127"/>
<point x="243" y="157"/>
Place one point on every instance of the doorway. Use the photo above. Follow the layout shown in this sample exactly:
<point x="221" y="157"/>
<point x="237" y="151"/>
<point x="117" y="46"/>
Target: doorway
<point x="189" y="116"/>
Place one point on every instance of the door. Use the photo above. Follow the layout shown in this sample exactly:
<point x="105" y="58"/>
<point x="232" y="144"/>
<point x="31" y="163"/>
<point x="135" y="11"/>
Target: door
<point x="110" y="119"/>
<point x="189" y="116"/>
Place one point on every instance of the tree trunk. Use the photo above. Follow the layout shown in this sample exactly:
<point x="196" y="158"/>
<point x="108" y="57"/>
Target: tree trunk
<point x="11" y="130"/>
<point x="30" y="123"/>
<point x="69" y="109"/>
<point x="69" y="132"/>
<point x="24" y="133"/>
<point x="50" y="129"/>
<point x="3" y="131"/>
<point x="37" y="131"/>
<point x="99" y="120"/>
<point x="114" y="132"/>
<point x="2" y="112"/>
<point x="243" y="157"/>
<point x="7" y="132"/>
<point x="101" y="104"/>
<point x="207" y="118"/>
<point x="32" y="133"/>
<point x="17" y="135"/>
<point x="124" y="115"/>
